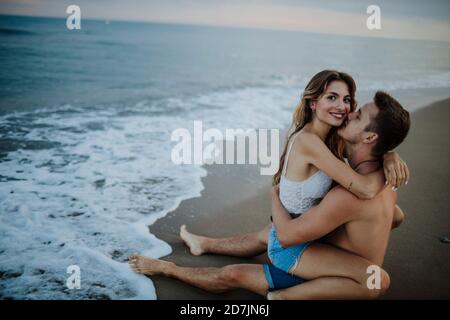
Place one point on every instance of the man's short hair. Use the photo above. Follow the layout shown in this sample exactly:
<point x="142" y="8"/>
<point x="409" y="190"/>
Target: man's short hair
<point x="391" y="123"/>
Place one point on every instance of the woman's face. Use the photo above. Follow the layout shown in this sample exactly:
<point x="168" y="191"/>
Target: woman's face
<point x="333" y="105"/>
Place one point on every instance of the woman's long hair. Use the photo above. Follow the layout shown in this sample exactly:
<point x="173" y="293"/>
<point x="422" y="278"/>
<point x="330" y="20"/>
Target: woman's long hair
<point x="304" y="114"/>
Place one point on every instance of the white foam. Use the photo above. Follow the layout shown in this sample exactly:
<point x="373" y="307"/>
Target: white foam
<point x="87" y="202"/>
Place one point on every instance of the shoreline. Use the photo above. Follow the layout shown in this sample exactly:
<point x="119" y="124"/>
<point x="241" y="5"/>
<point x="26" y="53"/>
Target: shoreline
<point x="235" y="199"/>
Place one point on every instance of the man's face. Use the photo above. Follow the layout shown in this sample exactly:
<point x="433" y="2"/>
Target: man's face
<point x="353" y="130"/>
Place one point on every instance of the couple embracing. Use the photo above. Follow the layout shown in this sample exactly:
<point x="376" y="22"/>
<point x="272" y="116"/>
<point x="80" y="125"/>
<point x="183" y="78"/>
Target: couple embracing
<point x="333" y="204"/>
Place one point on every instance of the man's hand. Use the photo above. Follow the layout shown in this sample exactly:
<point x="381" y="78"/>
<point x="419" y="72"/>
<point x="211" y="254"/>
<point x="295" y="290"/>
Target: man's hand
<point x="395" y="170"/>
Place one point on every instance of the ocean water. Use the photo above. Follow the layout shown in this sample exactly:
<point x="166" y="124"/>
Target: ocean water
<point x="86" y="118"/>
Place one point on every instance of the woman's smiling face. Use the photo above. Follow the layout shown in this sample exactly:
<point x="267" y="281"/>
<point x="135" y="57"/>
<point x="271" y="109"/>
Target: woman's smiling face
<point x="334" y="104"/>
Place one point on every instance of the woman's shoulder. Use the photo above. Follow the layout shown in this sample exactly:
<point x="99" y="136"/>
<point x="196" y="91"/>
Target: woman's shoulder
<point x="306" y="140"/>
<point x="304" y="147"/>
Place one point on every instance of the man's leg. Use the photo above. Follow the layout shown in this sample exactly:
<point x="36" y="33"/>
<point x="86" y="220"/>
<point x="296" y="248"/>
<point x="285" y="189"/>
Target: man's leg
<point x="217" y="280"/>
<point x="245" y="245"/>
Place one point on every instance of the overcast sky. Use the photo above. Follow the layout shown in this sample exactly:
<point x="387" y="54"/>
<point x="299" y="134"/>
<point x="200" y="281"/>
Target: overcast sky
<point x="412" y="19"/>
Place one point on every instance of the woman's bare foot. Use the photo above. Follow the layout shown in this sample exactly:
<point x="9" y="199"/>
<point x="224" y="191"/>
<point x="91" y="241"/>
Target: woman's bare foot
<point x="193" y="241"/>
<point x="149" y="266"/>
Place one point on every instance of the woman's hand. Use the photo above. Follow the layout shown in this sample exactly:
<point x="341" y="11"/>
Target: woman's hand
<point x="395" y="170"/>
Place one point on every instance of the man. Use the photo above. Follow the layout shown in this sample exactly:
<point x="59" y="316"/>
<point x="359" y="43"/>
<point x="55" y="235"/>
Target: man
<point x="359" y="228"/>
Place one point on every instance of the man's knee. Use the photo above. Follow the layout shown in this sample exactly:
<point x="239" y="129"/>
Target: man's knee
<point x="232" y="275"/>
<point x="263" y="235"/>
<point x="385" y="282"/>
<point x="398" y="220"/>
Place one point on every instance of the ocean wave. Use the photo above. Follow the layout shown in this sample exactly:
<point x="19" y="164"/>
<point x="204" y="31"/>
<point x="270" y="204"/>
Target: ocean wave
<point x="436" y="80"/>
<point x="425" y="81"/>
<point x="88" y="198"/>
<point x="86" y="201"/>
<point x="16" y="32"/>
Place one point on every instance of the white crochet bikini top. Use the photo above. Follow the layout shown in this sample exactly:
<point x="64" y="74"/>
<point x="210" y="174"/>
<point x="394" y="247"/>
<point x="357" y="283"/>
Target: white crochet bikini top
<point x="298" y="196"/>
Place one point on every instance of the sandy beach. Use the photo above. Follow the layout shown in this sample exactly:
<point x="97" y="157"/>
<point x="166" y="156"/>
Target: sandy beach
<point x="236" y="200"/>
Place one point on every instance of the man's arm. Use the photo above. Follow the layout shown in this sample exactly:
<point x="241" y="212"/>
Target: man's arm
<point x="337" y="208"/>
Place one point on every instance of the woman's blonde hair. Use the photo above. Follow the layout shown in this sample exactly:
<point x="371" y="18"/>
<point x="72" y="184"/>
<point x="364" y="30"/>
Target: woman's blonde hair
<point x="304" y="114"/>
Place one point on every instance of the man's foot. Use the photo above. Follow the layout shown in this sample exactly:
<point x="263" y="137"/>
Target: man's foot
<point x="149" y="266"/>
<point x="193" y="241"/>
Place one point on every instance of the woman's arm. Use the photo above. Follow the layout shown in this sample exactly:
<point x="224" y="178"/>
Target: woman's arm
<point x="317" y="153"/>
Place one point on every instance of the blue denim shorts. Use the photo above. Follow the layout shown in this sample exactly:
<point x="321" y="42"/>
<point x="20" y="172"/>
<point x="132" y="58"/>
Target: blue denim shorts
<point x="284" y="258"/>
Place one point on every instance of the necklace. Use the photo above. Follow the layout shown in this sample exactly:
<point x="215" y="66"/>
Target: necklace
<point x="360" y="163"/>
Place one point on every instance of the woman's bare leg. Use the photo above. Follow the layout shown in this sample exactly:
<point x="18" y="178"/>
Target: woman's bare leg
<point x="245" y="245"/>
<point x="246" y="276"/>
<point x="328" y="288"/>
<point x="338" y="269"/>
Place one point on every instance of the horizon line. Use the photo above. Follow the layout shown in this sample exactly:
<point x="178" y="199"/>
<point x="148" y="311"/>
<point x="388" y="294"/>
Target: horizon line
<point x="194" y="24"/>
